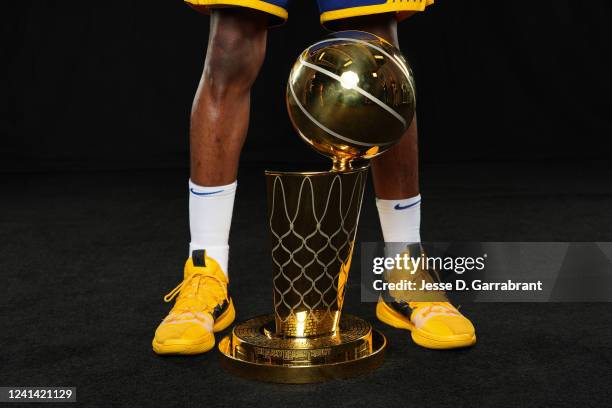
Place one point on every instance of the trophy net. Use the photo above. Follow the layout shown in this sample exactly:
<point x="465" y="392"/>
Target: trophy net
<point x="313" y="219"/>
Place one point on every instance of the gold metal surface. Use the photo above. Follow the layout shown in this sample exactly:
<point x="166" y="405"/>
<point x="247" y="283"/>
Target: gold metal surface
<point x="254" y="351"/>
<point x="313" y="219"/>
<point x="351" y="96"/>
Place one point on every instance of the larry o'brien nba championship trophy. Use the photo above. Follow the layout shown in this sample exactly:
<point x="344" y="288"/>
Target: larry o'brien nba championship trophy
<point x="351" y="97"/>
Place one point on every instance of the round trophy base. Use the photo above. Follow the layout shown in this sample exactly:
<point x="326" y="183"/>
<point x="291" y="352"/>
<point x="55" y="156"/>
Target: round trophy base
<point x="254" y="351"/>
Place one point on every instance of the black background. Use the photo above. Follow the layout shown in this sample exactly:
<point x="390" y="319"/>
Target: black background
<point x="109" y="84"/>
<point x="95" y="101"/>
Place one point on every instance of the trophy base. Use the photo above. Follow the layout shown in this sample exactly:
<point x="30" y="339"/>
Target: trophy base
<point x="254" y="351"/>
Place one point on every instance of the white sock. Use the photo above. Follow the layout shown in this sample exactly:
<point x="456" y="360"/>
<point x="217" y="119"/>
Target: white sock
<point x="400" y="219"/>
<point x="210" y="217"/>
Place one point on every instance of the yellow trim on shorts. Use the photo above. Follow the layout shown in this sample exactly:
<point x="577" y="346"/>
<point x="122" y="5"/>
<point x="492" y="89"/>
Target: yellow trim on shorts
<point x="253" y="4"/>
<point x="403" y="9"/>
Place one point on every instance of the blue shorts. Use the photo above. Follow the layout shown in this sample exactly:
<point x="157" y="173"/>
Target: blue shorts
<point x="330" y="9"/>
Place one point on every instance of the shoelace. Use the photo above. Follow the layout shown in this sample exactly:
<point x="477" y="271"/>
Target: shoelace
<point x="186" y="282"/>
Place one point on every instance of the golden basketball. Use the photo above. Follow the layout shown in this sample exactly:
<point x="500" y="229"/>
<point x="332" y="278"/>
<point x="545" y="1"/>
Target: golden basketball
<point x="351" y="96"/>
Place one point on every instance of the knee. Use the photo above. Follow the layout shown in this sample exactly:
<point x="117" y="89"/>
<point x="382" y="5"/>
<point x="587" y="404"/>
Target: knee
<point x="236" y="51"/>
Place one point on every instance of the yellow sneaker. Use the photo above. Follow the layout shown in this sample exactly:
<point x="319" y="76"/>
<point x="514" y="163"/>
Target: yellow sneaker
<point x="432" y="320"/>
<point x="434" y="325"/>
<point x="202" y="308"/>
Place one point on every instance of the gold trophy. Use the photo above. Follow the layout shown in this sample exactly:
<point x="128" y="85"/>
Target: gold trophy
<point x="351" y="97"/>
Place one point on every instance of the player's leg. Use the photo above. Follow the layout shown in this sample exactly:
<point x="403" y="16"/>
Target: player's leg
<point x="396" y="172"/>
<point x="220" y="111"/>
<point x="433" y="324"/>
<point x="219" y="121"/>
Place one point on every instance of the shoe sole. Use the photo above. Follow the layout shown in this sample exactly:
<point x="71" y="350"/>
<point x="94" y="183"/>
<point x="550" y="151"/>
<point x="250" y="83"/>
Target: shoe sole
<point x="424" y="339"/>
<point x="206" y="344"/>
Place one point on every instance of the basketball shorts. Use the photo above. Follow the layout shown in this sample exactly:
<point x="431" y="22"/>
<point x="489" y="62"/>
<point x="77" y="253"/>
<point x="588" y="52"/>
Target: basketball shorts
<point x="330" y="9"/>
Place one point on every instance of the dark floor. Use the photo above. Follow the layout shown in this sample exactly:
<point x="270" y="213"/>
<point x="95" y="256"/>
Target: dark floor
<point x="86" y="259"/>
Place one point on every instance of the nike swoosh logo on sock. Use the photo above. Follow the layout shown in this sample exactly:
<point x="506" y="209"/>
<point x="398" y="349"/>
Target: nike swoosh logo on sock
<point x="205" y="193"/>
<point x="399" y="207"/>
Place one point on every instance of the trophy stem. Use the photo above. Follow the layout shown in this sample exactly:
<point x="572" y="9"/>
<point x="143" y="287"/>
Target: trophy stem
<point x="341" y="164"/>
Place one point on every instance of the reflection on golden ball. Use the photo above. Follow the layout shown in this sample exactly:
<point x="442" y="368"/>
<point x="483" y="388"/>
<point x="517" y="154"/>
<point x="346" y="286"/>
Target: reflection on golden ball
<point x="351" y="96"/>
